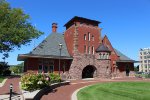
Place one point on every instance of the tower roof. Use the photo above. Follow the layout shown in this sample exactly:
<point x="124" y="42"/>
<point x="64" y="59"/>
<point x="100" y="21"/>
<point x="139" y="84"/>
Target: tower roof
<point x="102" y="48"/>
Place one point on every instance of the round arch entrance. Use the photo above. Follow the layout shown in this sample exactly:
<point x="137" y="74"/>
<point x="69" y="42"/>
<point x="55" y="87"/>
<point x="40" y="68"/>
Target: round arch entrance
<point x="88" y="71"/>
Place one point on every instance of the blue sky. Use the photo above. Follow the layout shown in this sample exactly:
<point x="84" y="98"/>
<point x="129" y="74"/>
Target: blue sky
<point x="125" y="22"/>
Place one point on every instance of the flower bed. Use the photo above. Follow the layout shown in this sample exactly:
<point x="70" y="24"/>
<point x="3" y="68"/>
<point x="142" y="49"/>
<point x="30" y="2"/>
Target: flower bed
<point x="31" y="81"/>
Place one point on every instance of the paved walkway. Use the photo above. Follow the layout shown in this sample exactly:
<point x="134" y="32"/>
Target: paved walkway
<point x="60" y="93"/>
<point x="65" y="92"/>
<point x="4" y="90"/>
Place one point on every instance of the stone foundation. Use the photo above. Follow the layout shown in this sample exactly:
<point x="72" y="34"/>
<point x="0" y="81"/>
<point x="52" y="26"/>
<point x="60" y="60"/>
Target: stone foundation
<point x="80" y="61"/>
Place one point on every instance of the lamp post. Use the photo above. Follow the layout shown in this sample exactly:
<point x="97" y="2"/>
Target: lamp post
<point x="10" y="87"/>
<point x="60" y="48"/>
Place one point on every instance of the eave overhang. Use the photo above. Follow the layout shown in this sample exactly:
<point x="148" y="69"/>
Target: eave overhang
<point x="23" y="57"/>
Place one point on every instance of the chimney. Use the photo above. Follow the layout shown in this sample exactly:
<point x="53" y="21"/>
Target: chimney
<point x="54" y="27"/>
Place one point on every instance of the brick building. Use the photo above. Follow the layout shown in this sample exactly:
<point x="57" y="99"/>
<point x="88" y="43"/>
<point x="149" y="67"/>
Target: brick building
<point x="80" y="52"/>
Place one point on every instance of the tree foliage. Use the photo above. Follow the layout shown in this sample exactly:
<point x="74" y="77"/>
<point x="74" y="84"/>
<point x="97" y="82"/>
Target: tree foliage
<point x="17" y="68"/>
<point x="15" y="28"/>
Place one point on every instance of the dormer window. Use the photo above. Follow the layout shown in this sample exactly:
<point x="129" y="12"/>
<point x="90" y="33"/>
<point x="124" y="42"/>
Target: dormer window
<point x="104" y="55"/>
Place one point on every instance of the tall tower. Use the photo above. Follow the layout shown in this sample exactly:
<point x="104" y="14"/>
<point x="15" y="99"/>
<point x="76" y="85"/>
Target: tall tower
<point x="82" y="35"/>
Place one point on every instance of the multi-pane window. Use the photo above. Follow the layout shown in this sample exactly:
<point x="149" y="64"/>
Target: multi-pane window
<point x="148" y="56"/>
<point x="40" y="69"/>
<point x="84" y="36"/>
<point x="51" y="68"/>
<point x="104" y="56"/>
<point x="145" y="65"/>
<point x="45" y="69"/>
<point x="89" y="36"/>
<point x="145" y="61"/>
<point x="145" y="57"/>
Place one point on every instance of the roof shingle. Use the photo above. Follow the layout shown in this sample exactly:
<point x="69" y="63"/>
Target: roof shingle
<point x="50" y="46"/>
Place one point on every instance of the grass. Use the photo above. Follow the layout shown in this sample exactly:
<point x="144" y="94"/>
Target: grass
<point x="1" y="79"/>
<point x="116" y="91"/>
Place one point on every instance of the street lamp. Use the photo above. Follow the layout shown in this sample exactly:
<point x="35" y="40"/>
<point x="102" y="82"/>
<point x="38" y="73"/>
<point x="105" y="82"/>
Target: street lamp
<point x="60" y="48"/>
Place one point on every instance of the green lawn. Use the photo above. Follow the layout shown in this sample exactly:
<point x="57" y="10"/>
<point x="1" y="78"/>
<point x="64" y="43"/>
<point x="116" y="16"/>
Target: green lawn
<point x="1" y="79"/>
<point x="116" y="91"/>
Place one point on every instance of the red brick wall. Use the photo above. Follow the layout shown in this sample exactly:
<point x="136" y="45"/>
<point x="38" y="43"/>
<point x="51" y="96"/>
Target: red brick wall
<point x="68" y="36"/>
<point x="113" y="55"/>
<point x="31" y="64"/>
<point x="82" y="29"/>
<point x="85" y="29"/>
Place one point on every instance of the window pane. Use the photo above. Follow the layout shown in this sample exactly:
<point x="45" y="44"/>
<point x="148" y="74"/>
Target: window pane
<point x="45" y="69"/>
<point x="51" y="69"/>
<point x="40" y="69"/>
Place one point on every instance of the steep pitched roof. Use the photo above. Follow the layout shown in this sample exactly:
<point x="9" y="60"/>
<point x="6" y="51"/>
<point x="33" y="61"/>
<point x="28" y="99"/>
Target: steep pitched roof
<point x="102" y="48"/>
<point x="50" y="46"/>
<point x="122" y="57"/>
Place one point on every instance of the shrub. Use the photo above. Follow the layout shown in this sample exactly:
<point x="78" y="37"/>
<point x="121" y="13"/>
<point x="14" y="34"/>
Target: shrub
<point x="33" y="81"/>
<point x="6" y="72"/>
<point x="147" y="75"/>
<point x="54" y="77"/>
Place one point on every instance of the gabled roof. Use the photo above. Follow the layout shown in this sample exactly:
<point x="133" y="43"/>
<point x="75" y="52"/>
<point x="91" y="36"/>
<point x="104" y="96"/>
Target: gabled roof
<point x="122" y="57"/>
<point x="49" y="47"/>
<point x="102" y="48"/>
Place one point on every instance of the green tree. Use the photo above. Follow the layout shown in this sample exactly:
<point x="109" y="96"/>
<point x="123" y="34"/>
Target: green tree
<point x="15" y="28"/>
<point x="17" y="68"/>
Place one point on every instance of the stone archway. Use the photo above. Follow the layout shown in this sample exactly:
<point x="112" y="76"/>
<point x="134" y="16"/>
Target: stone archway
<point x="88" y="71"/>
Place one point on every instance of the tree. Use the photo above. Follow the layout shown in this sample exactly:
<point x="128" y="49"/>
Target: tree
<point x="17" y="68"/>
<point x="15" y="28"/>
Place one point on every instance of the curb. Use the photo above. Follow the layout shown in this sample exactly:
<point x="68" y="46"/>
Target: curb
<point x="36" y="95"/>
<point x="2" y="84"/>
<point x="74" y="95"/>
